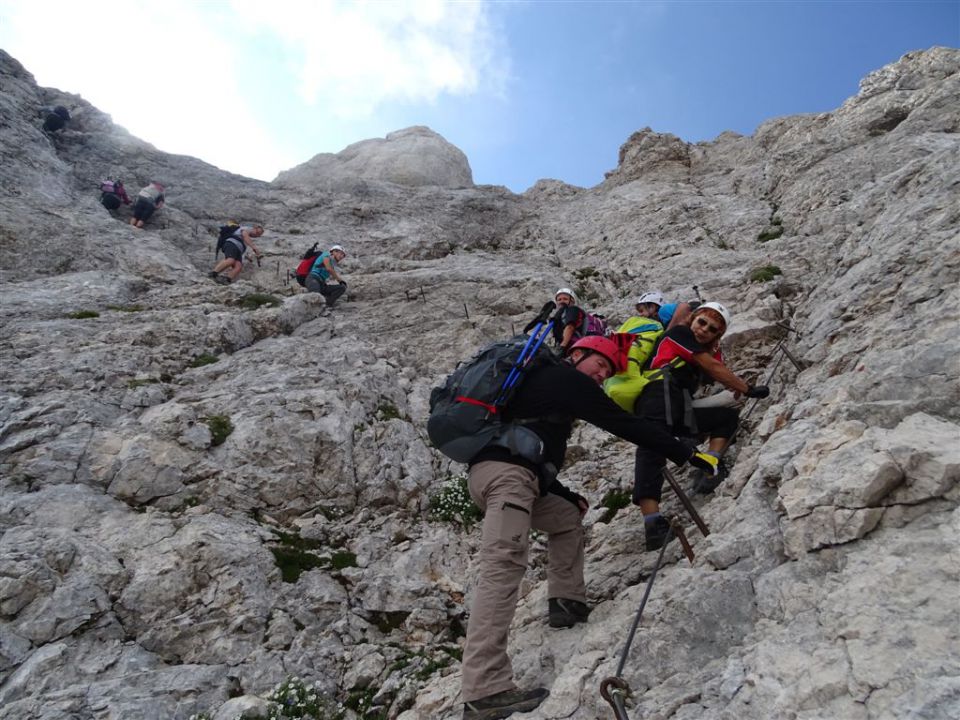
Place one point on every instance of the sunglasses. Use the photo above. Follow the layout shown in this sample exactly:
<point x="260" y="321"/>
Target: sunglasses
<point x="707" y="325"/>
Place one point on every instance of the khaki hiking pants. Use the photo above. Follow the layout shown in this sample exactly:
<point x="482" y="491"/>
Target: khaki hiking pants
<point x="510" y="496"/>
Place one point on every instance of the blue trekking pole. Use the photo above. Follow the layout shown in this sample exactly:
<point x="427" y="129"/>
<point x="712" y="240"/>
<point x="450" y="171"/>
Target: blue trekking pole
<point x="534" y="341"/>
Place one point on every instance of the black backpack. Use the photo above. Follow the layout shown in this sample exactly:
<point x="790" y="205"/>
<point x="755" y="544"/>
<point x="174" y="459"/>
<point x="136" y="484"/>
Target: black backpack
<point x="466" y="412"/>
<point x="225" y="232"/>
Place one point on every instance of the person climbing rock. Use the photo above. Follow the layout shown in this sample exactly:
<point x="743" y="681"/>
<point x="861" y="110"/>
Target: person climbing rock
<point x="149" y="200"/>
<point x="653" y="305"/>
<point x="234" y="249"/>
<point x="54" y="118"/>
<point x="568" y="320"/>
<point x="685" y="356"/>
<point x="648" y="305"/>
<point x="518" y="492"/>
<point x="325" y="268"/>
<point x="113" y="194"/>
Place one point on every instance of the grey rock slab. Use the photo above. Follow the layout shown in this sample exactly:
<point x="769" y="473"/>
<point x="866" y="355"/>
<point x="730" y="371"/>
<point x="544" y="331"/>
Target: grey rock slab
<point x="138" y="575"/>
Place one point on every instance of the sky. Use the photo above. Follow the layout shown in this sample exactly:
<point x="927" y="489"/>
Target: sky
<point x="527" y="90"/>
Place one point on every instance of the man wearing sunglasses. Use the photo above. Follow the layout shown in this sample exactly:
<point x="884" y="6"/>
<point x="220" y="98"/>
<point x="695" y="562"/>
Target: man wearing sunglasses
<point x="687" y="356"/>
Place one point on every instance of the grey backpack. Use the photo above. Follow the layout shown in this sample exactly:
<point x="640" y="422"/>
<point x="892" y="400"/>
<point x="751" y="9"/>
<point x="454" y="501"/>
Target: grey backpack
<point x="466" y="412"/>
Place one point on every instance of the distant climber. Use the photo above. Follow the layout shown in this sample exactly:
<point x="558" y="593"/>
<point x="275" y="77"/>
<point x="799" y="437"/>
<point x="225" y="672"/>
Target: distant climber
<point x="569" y="321"/>
<point x="325" y="267"/>
<point x="234" y="248"/>
<point x="676" y="313"/>
<point x="653" y="305"/>
<point x="685" y="355"/>
<point x="54" y="118"/>
<point x="648" y="305"/>
<point x="113" y="194"/>
<point x="517" y="489"/>
<point x="149" y="200"/>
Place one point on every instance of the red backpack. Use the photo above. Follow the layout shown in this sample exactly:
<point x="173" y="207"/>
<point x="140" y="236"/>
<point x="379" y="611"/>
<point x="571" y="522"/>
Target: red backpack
<point x="303" y="268"/>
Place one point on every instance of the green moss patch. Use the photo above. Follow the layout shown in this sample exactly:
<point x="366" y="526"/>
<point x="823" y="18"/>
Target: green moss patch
<point x="771" y="233"/>
<point x="220" y="428"/>
<point x="203" y="359"/>
<point x="294" y="561"/>
<point x="614" y="501"/>
<point x="294" y="540"/>
<point x="360" y="700"/>
<point x="297" y="554"/>
<point x="140" y="382"/>
<point x="765" y="273"/>
<point x="343" y="559"/>
<point x="254" y="301"/>
<point x="388" y="411"/>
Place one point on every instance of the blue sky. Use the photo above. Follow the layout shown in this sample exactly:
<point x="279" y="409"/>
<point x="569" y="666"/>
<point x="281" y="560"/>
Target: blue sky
<point x="527" y="90"/>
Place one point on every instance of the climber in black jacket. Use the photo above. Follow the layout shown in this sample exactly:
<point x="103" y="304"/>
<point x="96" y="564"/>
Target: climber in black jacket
<point x="518" y="493"/>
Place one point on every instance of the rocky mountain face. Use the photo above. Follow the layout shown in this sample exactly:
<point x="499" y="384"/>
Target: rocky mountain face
<point x="207" y="490"/>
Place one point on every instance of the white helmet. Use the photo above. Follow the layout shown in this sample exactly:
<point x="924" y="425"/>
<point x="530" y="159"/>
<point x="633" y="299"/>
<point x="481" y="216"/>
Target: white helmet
<point x="338" y="247"/>
<point x="717" y="308"/>
<point x="654" y="296"/>
<point x="566" y="291"/>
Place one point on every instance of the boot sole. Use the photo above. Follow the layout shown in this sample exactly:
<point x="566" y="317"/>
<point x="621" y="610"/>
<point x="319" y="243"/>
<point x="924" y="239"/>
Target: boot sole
<point x="503" y="712"/>
<point x="566" y="622"/>
<point x="500" y="713"/>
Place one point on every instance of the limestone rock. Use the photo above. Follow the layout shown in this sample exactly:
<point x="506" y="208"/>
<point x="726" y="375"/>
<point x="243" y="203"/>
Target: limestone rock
<point x="413" y="157"/>
<point x="205" y="490"/>
<point x="245" y="706"/>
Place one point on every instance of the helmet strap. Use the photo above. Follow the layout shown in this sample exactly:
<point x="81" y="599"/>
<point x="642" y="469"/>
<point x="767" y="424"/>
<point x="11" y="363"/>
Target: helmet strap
<point x="587" y="352"/>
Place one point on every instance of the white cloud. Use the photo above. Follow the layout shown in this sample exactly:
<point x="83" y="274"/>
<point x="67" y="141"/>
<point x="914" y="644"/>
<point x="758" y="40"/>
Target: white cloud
<point x="168" y="71"/>
<point x="163" y="72"/>
<point x="352" y="57"/>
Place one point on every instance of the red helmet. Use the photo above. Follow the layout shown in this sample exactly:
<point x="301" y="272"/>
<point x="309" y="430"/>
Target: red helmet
<point x="610" y="349"/>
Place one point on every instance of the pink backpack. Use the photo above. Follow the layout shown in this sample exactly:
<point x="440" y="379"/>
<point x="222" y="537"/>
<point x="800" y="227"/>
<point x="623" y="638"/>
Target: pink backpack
<point x="593" y="325"/>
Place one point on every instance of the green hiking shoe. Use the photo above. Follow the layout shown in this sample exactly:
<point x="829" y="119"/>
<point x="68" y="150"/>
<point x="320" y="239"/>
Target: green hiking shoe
<point x="504" y="704"/>
<point x="567" y="613"/>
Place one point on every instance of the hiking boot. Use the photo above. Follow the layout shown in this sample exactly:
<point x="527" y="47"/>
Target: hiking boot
<point x="567" y="613"/>
<point x="222" y="280"/>
<point x="212" y="275"/>
<point x="706" y="484"/>
<point x="657" y="530"/>
<point x="504" y="704"/>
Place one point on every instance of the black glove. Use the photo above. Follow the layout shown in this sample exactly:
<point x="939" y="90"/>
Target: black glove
<point x="757" y="391"/>
<point x="706" y="462"/>
<point x="558" y="488"/>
